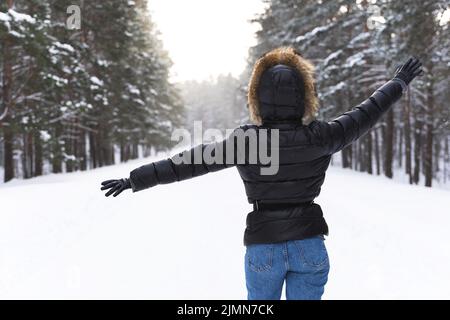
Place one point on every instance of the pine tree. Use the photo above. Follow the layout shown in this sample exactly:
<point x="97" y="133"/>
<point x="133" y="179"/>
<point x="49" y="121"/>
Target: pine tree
<point x="75" y="96"/>
<point x="353" y="57"/>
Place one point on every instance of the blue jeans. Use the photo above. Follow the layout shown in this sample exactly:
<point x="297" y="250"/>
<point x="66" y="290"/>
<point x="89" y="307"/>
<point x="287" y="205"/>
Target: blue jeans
<point x="302" y="263"/>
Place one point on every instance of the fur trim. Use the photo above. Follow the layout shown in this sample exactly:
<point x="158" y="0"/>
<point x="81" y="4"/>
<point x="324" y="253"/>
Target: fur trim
<point x="287" y="56"/>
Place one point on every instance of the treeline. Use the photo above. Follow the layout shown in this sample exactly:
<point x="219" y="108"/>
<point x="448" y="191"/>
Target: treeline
<point x="356" y="46"/>
<point x="218" y="102"/>
<point x="75" y="99"/>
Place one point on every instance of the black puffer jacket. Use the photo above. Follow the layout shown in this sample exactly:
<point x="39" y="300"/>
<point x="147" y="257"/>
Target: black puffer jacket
<point x="280" y="97"/>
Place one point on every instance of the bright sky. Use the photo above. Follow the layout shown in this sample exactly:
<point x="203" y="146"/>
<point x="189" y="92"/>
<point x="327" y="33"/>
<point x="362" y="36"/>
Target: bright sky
<point x="206" y="37"/>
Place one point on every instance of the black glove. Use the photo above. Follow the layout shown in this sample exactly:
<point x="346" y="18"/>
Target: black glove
<point x="408" y="71"/>
<point x="116" y="186"/>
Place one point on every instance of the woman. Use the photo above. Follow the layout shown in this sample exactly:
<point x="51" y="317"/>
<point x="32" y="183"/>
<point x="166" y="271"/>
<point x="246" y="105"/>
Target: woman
<point x="285" y="232"/>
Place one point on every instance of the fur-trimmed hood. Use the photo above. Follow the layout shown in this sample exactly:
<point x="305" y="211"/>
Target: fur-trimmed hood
<point x="289" y="57"/>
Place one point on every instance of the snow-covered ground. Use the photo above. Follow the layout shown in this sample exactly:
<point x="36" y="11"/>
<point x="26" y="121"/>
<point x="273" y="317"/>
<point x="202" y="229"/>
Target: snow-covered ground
<point x="61" y="238"/>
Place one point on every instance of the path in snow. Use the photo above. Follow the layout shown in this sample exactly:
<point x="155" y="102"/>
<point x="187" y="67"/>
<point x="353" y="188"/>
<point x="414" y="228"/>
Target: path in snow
<point x="61" y="238"/>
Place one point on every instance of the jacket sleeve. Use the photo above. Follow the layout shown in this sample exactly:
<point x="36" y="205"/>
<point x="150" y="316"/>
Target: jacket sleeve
<point x="355" y="123"/>
<point x="200" y="160"/>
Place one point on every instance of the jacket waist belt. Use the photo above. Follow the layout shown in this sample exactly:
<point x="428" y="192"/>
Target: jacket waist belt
<point x="258" y="205"/>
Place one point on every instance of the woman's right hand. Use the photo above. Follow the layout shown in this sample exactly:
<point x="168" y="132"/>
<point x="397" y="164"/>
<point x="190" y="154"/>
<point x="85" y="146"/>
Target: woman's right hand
<point x="115" y="186"/>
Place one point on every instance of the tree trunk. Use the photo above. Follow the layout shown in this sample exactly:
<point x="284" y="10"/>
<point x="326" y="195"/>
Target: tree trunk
<point x="8" y="149"/>
<point x="93" y="150"/>
<point x="407" y="133"/>
<point x="69" y="147"/>
<point x="369" y="153"/>
<point x="81" y="150"/>
<point x="24" y="157"/>
<point x="8" y="135"/>
<point x="400" y="147"/>
<point x="98" y="148"/>
<point x="437" y="155"/>
<point x="428" y="159"/>
<point x="357" y="155"/>
<point x="122" y="152"/>
<point x="127" y="152"/>
<point x="57" y="152"/>
<point x="103" y="148"/>
<point x="377" y="152"/>
<point x="113" y="157"/>
<point x="345" y="160"/>
<point x="350" y="155"/>
<point x="147" y="153"/>
<point x="389" y="144"/>
<point x="135" y="151"/>
<point x="417" y="148"/>
<point x="27" y="155"/>
<point x="38" y="156"/>
<point x="75" y="145"/>
<point x="446" y="159"/>
<point x="31" y="153"/>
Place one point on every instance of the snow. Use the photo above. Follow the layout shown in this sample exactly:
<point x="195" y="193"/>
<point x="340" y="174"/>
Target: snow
<point x="133" y="89"/>
<point x="21" y="16"/>
<point x="16" y="34"/>
<point x="59" y="48"/>
<point x="4" y="17"/>
<point x="333" y="89"/>
<point x="139" y="101"/>
<point x="331" y="57"/>
<point x="97" y="81"/>
<point x="66" y="70"/>
<point x="359" y="38"/>
<point x="64" y="46"/>
<point x="70" y="157"/>
<point x="45" y="136"/>
<point x="59" y="81"/>
<point x="356" y="59"/>
<point x="103" y="63"/>
<point x="61" y="238"/>
<point x="311" y="34"/>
